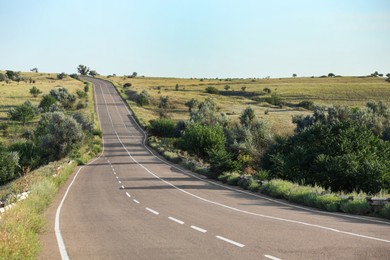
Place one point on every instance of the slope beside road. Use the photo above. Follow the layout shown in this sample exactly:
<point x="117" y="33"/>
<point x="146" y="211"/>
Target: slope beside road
<point x="131" y="204"/>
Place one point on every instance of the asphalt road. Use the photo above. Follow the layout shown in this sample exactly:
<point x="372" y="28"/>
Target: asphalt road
<point x="131" y="204"/>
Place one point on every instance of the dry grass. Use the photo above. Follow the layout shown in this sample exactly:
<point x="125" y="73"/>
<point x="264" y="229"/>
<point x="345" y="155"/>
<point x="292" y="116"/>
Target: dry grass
<point x="350" y="91"/>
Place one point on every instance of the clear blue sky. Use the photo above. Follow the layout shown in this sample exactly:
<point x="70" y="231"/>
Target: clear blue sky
<point x="197" y="38"/>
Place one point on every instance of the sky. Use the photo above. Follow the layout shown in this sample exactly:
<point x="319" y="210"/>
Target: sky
<point x="197" y="38"/>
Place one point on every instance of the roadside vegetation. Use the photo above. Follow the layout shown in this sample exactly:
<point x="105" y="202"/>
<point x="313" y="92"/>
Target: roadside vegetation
<point x="48" y="126"/>
<point x="322" y="142"/>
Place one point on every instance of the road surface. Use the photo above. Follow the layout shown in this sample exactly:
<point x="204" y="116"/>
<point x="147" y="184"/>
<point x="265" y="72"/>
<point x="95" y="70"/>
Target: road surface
<point x="131" y="204"/>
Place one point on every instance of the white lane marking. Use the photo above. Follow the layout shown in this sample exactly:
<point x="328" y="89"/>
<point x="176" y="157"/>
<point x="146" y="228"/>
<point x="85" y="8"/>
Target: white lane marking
<point x="176" y="220"/>
<point x="117" y="177"/>
<point x="272" y="257"/>
<point x="123" y="187"/>
<point x="230" y="241"/>
<point x="115" y="173"/>
<point x="57" y="228"/>
<point x="136" y="201"/>
<point x="128" y="195"/>
<point x="119" y="182"/>
<point x="152" y="211"/>
<point x="199" y="229"/>
<point x="229" y="207"/>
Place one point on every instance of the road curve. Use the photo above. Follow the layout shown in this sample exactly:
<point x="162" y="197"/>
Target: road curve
<point x="131" y="204"/>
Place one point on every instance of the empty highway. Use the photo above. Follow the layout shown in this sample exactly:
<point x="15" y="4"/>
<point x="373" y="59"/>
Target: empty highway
<point x="131" y="204"/>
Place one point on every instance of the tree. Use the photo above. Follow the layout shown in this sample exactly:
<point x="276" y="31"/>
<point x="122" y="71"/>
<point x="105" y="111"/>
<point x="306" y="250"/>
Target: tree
<point x="34" y="70"/>
<point x="243" y="88"/>
<point x="294" y="75"/>
<point x="61" y="75"/>
<point x="83" y="70"/>
<point x="388" y="75"/>
<point x="34" y="91"/>
<point x="8" y="165"/>
<point x="57" y="134"/>
<point x="247" y="116"/>
<point x="331" y="75"/>
<point x="13" y="75"/>
<point x="191" y="104"/>
<point x="134" y="75"/>
<point x="23" y="113"/>
<point x="177" y="87"/>
<point x="226" y="87"/>
<point x="3" y="77"/>
<point x="93" y="73"/>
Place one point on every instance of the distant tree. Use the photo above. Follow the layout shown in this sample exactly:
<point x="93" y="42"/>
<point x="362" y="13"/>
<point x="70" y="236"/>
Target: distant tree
<point x="294" y="75"/>
<point x="134" y="75"/>
<point x="243" y="88"/>
<point x="3" y="77"/>
<point x="13" y="75"/>
<point x="34" y="91"/>
<point x="83" y="70"/>
<point x="177" y="87"/>
<point x="226" y="87"/>
<point x="34" y="70"/>
<point x="267" y="90"/>
<point x="61" y="75"/>
<point x="74" y="76"/>
<point x="23" y="113"/>
<point x="375" y="74"/>
<point x="331" y="75"/>
<point x="212" y="90"/>
<point x="127" y="85"/>
<point x="93" y="73"/>
<point x="388" y="75"/>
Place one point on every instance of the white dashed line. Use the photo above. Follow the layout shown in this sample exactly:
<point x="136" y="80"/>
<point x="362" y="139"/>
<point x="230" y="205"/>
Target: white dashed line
<point x="176" y="220"/>
<point x="199" y="229"/>
<point x="119" y="182"/>
<point x="128" y="195"/>
<point x="152" y="211"/>
<point x="230" y="241"/>
<point x="136" y="201"/>
<point x="117" y="177"/>
<point x="123" y="187"/>
<point x="272" y="257"/>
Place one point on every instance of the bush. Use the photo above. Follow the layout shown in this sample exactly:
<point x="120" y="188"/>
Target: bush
<point x="57" y="134"/>
<point x="359" y="206"/>
<point x="308" y="104"/>
<point x="233" y="179"/>
<point x="34" y="91"/>
<point x="85" y="123"/>
<point x="253" y="185"/>
<point x="61" y="75"/>
<point x="212" y="90"/>
<point x="342" y="156"/>
<point x="223" y="177"/>
<point x="28" y="152"/>
<point x="275" y="100"/>
<point x="63" y="96"/>
<point x="143" y="98"/>
<point x="385" y="212"/>
<point x="8" y="165"/>
<point x="200" y="139"/>
<point x="127" y="85"/>
<point x="23" y="113"/>
<point x="81" y="94"/>
<point x="163" y="127"/>
<point x="46" y="102"/>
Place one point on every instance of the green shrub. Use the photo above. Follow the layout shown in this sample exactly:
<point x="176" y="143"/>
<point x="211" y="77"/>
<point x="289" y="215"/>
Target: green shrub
<point x="308" y="104"/>
<point x="253" y="185"/>
<point x="275" y="100"/>
<point x="262" y="175"/>
<point x="356" y="206"/>
<point x="223" y="177"/>
<point x="8" y="165"/>
<point x="233" y="179"/>
<point x="163" y="127"/>
<point x="244" y="181"/>
<point x="212" y="90"/>
<point x="342" y="156"/>
<point x="329" y="202"/>
<point x="200" y="139"/>
<point x="144" y="98"/>
<point x="23" y="113"/>
<point x="385" y="212"/>
<point x="277" y="188"/>
<point x="28" y="152"/>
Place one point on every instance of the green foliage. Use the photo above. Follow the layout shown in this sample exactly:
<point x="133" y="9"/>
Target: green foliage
<point x="34" y="91"/>
<point x="177" y="87"/>
<point x="143" y="98"/>
<point x="86" y="124"/>
<point x="385" y="212"/>
<point x="163" y="127"/>
<point x="93" y="73"/>
<point x="206" y="113"/>
<point x="63" y="96"/>
<point x="356" y="206"/>
<point x="308" y="104"/>
<point x="212" y="90"/>
<point x="83" y="70"/>
<point x="200" y="139"/>
<point x="343" y="156"/>
<point x="13" y="75"/>
<point x="8" y="165"/>
<point x="3" y="77"/>
<point x="28" y="152"/>
<point x="81" y="94"/>
<point x="247" y="116"/>
<point x="57" y="134"/>
<point x="61" y="75"/>
<point x="275" y="100"/>
<point x="86" y="88"/>
<point x="220" y="161"/>
<point x="191" y="104"/>
<point x="233" y="179"/>
<point x="127" y="85"/>
<point x="23" y="113"/>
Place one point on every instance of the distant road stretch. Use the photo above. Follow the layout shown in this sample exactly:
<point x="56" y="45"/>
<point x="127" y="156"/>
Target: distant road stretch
<point x="131" y="204"/>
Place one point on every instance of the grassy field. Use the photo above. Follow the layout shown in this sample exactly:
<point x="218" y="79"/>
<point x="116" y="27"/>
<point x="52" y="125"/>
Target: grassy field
<point x="349" y="91"/>
<point x="16" y="93"/>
